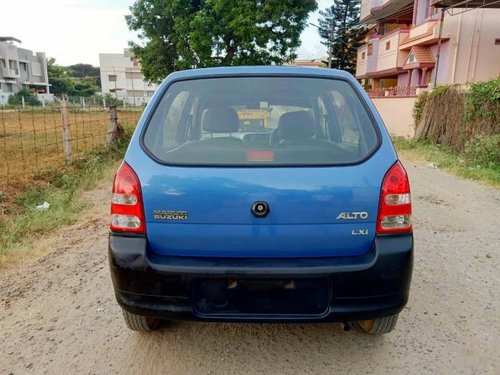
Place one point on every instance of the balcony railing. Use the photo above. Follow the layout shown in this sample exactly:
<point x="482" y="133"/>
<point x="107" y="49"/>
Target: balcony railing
<point x="10" y="73"/>
<point x="392" y="91"/>
<point x="426" y="32"/>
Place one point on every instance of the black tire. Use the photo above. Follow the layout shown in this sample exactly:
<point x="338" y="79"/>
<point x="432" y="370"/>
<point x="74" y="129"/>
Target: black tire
<point x="140" y="323"/>
<point x="377" y="326"/>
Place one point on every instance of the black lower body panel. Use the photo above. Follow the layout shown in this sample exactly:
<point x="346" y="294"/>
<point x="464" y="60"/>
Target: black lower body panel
<point x="317" y="289"/>
<point x="261" y="297"/>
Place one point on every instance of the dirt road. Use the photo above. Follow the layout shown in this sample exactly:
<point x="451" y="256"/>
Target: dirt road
<point x="58" y="314"/>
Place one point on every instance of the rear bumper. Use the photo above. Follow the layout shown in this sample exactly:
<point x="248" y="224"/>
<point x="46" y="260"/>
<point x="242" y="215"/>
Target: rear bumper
<point x="363" y="287"/>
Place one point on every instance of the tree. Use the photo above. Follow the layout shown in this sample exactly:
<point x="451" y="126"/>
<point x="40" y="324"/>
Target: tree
<point x="340" y="26"/>
<point x="70" y="81"/>
<point x="86" y="71"/>
<point x="182" y="34"/>
<point x="59" y="79"/>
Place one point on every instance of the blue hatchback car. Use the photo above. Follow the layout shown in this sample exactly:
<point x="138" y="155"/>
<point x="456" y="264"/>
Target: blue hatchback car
<point x="261" y="194"/>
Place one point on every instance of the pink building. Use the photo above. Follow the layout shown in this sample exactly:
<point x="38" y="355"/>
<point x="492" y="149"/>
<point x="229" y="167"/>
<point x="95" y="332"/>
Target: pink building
<point x="401" y="51"/>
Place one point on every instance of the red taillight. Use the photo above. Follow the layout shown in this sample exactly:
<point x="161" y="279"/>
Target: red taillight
<point x="127" y="213"/>
<point x="394" y="213"/>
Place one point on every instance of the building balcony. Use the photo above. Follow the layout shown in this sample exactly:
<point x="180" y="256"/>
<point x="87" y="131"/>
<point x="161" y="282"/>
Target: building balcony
<point x="10" y="73"/>
<point x="367" y="59"/>
<point x="386" y="11"/>
<point x="382" y="56"/>
<point x="424" y="34"/>
<point x="362" y="61"/>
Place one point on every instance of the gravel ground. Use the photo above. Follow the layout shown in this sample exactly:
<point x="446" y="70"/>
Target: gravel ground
<point x="58" y="314"/>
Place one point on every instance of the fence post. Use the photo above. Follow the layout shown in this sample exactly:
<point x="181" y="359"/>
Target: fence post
<point x="115" y="130"/>
<point x="66" y="131"/>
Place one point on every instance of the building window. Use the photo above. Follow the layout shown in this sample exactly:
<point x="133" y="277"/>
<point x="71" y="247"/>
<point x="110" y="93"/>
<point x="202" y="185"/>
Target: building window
<point x="13" y="66"/>
<point x="370" y="49"/>
<point x="24" y="66"/>
<point x="363" y="55"/>
<point x="497" y="41"/>
<point x="134" y="75"/>
<point x="2" y="63"/>
<point x="112" y="78"/>
<point x="135" y="93"/>
<point x="388" y="45"/>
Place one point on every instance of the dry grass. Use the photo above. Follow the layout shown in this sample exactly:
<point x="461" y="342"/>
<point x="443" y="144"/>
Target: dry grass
<point x="443" y="119"/>
<point x="31" y="141"/>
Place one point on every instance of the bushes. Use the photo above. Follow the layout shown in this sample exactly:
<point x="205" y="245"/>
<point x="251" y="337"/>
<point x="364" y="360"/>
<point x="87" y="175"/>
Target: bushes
<point x="419" y="106"/>
<point x="483" y="151"/>
<point x="29" y="98"/>
<point x="441" y="117"/>
<point x="483" y="101"/>
<point x="453" y="115"/>
<point x="459" y="128"/>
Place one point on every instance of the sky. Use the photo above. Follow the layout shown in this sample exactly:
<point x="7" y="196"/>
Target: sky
<point x="76" y="31"/>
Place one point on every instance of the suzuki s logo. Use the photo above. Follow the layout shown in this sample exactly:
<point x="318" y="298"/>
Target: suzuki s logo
<point x="352" y="215"/>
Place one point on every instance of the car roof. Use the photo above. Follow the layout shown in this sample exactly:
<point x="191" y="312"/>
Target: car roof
<point x="260" y="70"/>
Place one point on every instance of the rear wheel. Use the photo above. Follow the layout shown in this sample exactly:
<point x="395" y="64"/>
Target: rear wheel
<point x="140" y="323"/>
<point x="377" y="326"/>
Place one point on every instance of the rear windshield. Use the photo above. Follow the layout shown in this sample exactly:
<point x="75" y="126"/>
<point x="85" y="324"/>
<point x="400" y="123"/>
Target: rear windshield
<point x="260" y="121"/>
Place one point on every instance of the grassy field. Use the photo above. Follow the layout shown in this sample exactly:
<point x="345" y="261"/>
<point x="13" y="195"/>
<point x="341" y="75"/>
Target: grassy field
<point x="31" y="141"/>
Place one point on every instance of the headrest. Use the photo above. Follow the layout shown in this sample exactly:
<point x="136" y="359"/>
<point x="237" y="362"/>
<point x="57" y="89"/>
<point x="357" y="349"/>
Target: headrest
<point x="296" y="125"/>
<point x="221" y="120"/>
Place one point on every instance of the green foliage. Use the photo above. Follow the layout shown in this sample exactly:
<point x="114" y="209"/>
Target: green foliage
<point x="483" y="101"/>
<point x="439" y="90"/>
<point x="64" y="82"/>
<point x="59" y="79"/>
<point x="483" y="151"/>
<point x="112" y="100"/>
<point x="340" y="24"/>
<point x="86" y="71"/>
<point x="29" y="98"/>
<point x="419" y="106"/>
<point x="183" y="34"/>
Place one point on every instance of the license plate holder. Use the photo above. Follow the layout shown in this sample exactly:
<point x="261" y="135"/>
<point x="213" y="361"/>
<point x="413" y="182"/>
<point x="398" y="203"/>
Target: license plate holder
<point x="269" y="297"/>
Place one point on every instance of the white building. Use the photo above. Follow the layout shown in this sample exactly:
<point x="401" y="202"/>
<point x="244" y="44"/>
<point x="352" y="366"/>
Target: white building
<point x="121" y="77"/>
<point x="21" y="68"/>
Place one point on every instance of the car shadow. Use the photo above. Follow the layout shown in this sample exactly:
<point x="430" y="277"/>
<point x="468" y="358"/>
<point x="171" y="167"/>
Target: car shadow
<point x="199" y="347"/>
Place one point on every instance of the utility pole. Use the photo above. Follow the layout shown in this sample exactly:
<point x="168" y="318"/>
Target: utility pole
<point x="330" y="48"/>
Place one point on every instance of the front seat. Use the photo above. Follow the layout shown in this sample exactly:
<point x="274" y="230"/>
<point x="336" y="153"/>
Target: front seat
<point x="221" y="120"/>
<point x="296" y="128"/>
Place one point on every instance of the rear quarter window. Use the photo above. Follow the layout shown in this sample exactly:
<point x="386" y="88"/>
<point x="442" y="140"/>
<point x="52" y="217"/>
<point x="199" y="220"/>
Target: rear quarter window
<point x="252" y="121"/>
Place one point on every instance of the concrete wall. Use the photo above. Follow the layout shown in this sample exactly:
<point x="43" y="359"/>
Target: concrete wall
<point x="396" y="113"/>
<point x="477" y="56"/>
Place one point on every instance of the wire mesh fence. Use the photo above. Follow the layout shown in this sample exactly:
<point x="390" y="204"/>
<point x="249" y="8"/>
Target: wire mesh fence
<point x="36" y="139"/>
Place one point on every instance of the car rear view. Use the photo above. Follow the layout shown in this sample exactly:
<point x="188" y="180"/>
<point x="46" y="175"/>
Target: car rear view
<point x="261" y="194"/>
